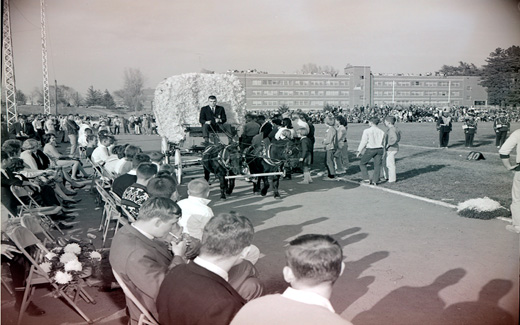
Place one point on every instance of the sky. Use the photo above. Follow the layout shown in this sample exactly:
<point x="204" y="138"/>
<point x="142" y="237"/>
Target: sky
<point x="92" y="42"/>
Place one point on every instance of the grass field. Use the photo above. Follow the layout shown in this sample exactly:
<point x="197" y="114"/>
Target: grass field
<point x="442" y="174"/>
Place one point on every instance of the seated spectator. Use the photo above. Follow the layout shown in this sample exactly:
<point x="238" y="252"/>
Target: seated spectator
<point x="205" y="291"/>
<point x="117" y="154"/>
<point x="143" y="262"/>
<point x="91" y="145"/>
<point x="125" y="165"/>
<point x="136" y="194"/>
<point x="314" y="263"/>
<point x="59" y="160"/>
<point x="101" y="153"/>
<point x="157" y="158"/>
<point x="196" y="212"/>
<point x="163" y="186"/>
<point x="122" y="182"/>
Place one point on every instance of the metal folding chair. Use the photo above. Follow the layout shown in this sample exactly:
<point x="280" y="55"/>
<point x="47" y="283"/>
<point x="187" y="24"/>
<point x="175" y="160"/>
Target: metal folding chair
<point x="145" y="317"/>
<point x="110" y="212"/>
<point x="23" y="238"/>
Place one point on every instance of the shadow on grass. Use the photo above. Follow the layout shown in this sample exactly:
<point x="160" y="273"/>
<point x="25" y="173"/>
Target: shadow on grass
<point x="412" y="305"/>
<point x="419" y="171"/>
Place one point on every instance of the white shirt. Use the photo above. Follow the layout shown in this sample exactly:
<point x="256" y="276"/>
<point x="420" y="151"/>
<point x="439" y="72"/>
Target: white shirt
<point x="509" y="145"/>
<point x="144" y="233"/>
<point x="123" y="166"/>
<point x="307" y="297"/>
<point x="99" y="155"/>
<point x="372" y="138"/>
<point x="211" y="267"/>
<point x="197" y="208"/>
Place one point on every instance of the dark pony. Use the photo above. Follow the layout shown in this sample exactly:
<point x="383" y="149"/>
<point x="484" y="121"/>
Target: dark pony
<point x="222" y="160"/>
<point x="271" y="157"/>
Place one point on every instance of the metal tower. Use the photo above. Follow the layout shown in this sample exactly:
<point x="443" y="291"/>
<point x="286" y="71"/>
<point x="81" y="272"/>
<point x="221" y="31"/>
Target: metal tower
<point x="46" y="96"/>
<point x="8" y="66"/>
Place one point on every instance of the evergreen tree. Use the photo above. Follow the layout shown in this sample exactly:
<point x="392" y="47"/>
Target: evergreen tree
<point x="94" y="97"/>
<point x="501" y="76"/>
<point x="108" y="100"/>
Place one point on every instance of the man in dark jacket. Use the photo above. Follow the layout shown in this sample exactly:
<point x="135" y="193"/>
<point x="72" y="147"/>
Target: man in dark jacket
<point x="213" y="119"/>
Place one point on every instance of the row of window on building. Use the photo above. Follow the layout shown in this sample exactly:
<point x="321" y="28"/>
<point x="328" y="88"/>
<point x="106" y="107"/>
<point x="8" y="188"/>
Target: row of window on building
<point x="290" y="103"/>
<point x="415" y="93"/>
<point x="453" y="84"/>
<point x="269" y="82"/>
<point x="299" y="93"/>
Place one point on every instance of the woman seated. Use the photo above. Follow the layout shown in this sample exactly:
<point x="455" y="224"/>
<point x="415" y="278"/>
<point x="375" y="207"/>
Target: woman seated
<point x="59" y="160"/>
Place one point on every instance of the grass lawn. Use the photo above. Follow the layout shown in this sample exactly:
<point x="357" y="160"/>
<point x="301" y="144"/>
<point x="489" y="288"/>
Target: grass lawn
<point x="442" y="174"/>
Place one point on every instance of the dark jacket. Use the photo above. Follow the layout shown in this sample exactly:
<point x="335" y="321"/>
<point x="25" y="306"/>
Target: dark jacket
<point x="206" y="114"/>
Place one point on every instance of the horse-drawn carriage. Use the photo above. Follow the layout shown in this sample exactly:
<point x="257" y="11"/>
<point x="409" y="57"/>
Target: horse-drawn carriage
<point x="178" y="100"/>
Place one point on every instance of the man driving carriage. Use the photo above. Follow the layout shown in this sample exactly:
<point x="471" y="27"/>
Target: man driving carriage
<point x="213" y="119"/>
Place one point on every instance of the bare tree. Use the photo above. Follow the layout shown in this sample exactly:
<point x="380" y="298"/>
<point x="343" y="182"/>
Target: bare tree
<point x="132" y="92"/>
<point x="313" y="68"/>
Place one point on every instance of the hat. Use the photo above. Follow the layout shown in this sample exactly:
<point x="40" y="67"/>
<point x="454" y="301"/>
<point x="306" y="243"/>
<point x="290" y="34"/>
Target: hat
<point x="29" y="144"/>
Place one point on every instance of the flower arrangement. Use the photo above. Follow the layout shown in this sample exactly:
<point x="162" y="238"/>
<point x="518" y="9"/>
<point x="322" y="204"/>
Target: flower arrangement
<point x="481" y="208"/>
<point x="65" y="265"/>
<point x="178" y="100"/>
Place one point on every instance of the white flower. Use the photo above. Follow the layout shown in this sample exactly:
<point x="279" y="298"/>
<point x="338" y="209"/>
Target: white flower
<point x="95" y="256"/>
<point x="62" y="277"/>
<point x="46" y="266"/>
<point x="72" y="248"/>
<point x="50" y="255"/>
<point x="481" y="204"/>
<point x="73" y="266"/>
<point x="68" y="257"/>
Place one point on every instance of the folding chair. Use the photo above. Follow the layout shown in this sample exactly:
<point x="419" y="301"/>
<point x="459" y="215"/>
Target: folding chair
<point x="100" y="172"/>
<point x="33" y="208"/>
<point x="23" y="238"/>
<point x="30" y="222"/>
<point x="110" y="212"/>
<point x="145" y="317"/>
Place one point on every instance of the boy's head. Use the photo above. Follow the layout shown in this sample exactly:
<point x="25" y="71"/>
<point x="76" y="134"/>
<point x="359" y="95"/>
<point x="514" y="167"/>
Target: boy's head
<point x="91" y="140"/>
<point x="302" y="132"/>
<point x="145" y="171"/>
<point x="163" y="186"/>
<point x="138" y="159"/>
<point x="227" y="235"/>
<point x="198" y="188"/>
<point x="156" y="157"/>
<point x="390" y="120"/>
<point x="313" y="259"/>
<point x="131" y="151"/>
<point x="374" y="120"/>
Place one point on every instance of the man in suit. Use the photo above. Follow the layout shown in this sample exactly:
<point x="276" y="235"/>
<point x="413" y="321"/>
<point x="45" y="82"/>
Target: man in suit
<point x="314" y="263"/>
<point x="200" y="292"/>
<point x="213" y="119"/>
<point x="140" y="256"/>
<point x="22" y="130"/>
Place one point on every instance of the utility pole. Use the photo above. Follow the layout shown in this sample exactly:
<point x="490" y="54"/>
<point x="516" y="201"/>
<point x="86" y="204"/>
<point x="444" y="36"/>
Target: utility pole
<point x="56" y="96"/>
<point x="8" y="66"/>
<point x="46" y="96"/>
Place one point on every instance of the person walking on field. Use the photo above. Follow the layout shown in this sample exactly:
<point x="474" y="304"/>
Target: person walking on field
<point x="371" y="146"/>
<point x="470" y="129"/>
<point x="501" y="126"/>
<point x="444" y="128"/>
<point x="392" y="138"/>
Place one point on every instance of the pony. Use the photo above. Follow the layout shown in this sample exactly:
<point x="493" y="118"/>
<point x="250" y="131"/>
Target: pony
<point x="271" y="157"/>
<point x="222" y="160"/>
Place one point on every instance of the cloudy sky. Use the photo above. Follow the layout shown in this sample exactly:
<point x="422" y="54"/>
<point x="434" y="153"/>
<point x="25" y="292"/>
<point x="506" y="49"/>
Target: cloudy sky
<point x="91" y="42"/>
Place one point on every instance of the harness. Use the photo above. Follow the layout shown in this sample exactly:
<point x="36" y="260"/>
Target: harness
<point x="221" y="156"/>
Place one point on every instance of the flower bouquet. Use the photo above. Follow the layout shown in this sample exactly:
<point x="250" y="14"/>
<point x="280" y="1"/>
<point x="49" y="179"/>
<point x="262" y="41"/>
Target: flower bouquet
<point x="67" y="265"/>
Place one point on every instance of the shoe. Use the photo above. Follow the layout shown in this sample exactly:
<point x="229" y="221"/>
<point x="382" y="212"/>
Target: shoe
<point x="32" y="310"/>
<point x="64" y="226"/>
<point x="329" y="178"/>
<point x="366" y="181"/>
<point x="75" y="186"/>
<point x="70" y="192"/>
<point x="71" y="200"/>
<point x="515" y="229"/>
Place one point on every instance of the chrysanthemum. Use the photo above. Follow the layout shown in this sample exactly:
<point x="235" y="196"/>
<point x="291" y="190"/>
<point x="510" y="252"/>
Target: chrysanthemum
<point x="72" y="248"/>
<point x="46" y="266"/>
<point x="50" y="255"/>
<point x="73" y="266"/>
<point x="95" y="256"/>
<point x="62" y="277"/>
<point x="66" y="257"/>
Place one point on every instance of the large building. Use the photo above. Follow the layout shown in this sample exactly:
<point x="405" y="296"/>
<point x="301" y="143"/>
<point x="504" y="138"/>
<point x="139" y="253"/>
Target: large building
<point x="359" y="87"/>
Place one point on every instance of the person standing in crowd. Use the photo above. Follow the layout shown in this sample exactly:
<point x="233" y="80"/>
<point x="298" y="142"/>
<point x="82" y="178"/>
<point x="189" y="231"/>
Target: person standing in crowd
<point x="213" y="119"/>
<point x="505" y="151"/>
<point x="202" y="292"/>
<point x="38" y="127"/>
<point x="331" y="145"/>
<point x="341" y="156"/>
<point x="314" y="263"/>
<point x="501" y="126"/>
<point x="251" y="128"/>
<point x="305" y="155"/>
<point x="371" y="146"/>
<point x="72" y="132"/>
<point x="470" y="129"/>
<point x="392" y="138"/>
<point x="444" y="128"/>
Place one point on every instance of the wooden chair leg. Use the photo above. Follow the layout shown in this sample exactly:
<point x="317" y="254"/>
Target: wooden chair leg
<point x="73" y="304"/>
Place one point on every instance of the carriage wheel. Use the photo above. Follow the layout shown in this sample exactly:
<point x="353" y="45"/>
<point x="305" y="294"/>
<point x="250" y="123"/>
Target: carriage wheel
<point x="178" y="163"/>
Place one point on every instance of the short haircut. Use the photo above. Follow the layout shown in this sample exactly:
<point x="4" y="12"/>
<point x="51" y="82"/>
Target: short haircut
<point x="374" y="120"/>
<point x="119" y="150"/>
<point x="226" y="235"/>
<point x="166" y="169"/>
<point x="161" y="186"/>
<point x="146" y="170"/>
<point x="12" y="147"/>
<point x="159" y="207"/>
<point x="342" y="120"/>
<point x="47" y="137"/>
<point x="287" y="122"/>
<point x="390" y="119"/>
<point x="330" y="121"/>
<point x="138" y="159"/>
<point x="131" y="151"/>
<point x="156" y="156"/>
<point x="198" y="186"/>
<point x="315" y="258"/>
<point x="212" y="97"/>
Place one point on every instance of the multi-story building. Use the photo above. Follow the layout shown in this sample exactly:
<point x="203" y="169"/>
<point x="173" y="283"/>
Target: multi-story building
<point x="359" y="87"/>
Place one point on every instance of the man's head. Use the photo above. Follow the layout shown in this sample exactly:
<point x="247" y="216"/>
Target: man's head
<point x="156" y="157"/>
<point x="313" y="259"/>
<point x="212" y="101"/>
<point x="198" y="188"/>
<point x="131" y="151"/>
<point x="145" y="171"/>
<point x="389" y="120"/>
<point x="163" y="186"/>
<point x="138" y="159"/>
<point x="158" y="215"/>
<point x="374" y="121"/>
<point x="227" y="235"/>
